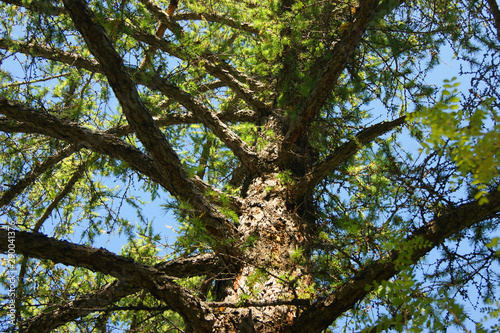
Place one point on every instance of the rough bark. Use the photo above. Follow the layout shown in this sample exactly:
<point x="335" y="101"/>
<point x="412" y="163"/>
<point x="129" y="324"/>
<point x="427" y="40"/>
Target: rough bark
<point x="267" y="272"/>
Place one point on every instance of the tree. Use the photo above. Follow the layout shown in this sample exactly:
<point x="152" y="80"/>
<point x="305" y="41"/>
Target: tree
<point x="298" y="208"/>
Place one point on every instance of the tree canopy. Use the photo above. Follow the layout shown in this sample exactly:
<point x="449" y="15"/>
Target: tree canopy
<point x="321" y="182"/>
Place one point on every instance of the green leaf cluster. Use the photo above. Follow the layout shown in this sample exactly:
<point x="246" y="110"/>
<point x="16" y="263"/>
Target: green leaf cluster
<point x="470" y="138"/>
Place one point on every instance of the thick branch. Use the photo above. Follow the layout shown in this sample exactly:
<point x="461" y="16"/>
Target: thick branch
<point x="322" y="314"/>
<point x="135" y="111"/>
<point x="47" y="124"/>
<point x="328" y="78"/>
<point x="204" y="264"/>
<point x="80" y="307"/>
<point x="228" y="75"/>
<point x="162" y="286"/>
<point x="123" y="87"/>
<point x="341" y="154"/>
<point x="108" y="149"/>
<point x="93" y="66"/>
<point x="10" y="126"/>
<point x="164" y="157"/>
<point x="231" y="77"/>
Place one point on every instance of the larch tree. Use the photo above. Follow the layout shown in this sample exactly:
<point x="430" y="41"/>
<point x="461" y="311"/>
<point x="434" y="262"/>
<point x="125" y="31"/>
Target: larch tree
<point x="282" y="134"/>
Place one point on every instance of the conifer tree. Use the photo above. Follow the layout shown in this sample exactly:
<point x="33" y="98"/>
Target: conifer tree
<point x="281" y="134"/>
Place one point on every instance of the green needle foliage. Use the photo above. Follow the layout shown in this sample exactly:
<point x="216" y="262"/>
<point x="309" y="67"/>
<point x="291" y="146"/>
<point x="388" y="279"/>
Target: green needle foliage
<point x="318" y="173"/>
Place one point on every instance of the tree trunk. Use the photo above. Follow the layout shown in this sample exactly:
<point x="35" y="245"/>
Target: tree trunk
<point x="272" y="234"/>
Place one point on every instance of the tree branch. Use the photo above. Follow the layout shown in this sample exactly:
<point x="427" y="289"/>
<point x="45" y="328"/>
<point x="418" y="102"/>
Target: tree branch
<point x="122" y="85"/>
<point x="214" y="66"/>
<point x="332" y="70"/>
<point x="211" y="120"/>
<point x="11" y="126"/>
<point x="72" y="59"/>
<point x="42" y="6"/>
<point x="21" y="185"/>
<point x="212" y="17"/>
<point x="186" y="118"/>
<point x="188" y="101"/>
<point x="228" y="75"/>
<point x="203" y="264"/>
<point x="163" y="287"/>
<point x="68" y="187"/>
<point x="341" y="154"/>
<point x="80" y="307"/>
<point x="231" y="77"/>
<point x="163" y="17"/>
<point x="47" y="124"/>
<point x="234" y="80"/>
<point x="164" y="157"/>
<point x="322" y="314"/>
<point x="111" y="148"/>
<point x="496" y="15"/>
